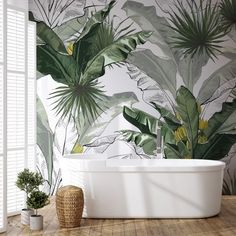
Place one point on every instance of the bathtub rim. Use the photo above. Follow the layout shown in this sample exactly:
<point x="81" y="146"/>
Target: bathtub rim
<point x="102" y="164"/>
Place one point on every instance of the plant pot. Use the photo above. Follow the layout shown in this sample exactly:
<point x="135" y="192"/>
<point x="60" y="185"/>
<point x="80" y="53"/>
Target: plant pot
<point x="25" y="216"/>
<point x="36" y="222"/>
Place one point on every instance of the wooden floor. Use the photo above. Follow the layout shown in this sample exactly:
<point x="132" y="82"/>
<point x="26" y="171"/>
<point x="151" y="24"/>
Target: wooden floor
<point x="224" y="224"/>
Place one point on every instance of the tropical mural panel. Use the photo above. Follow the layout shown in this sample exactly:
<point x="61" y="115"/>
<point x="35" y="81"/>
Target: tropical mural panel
<point x="131" y="79"/>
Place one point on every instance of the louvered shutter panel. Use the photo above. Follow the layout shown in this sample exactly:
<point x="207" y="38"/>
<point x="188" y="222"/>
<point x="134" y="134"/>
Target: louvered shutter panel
<point x="16" y="117"/>
<point x="2" y="160"/>
<point x="17" y="102"/>
<point x="31" y="96"/>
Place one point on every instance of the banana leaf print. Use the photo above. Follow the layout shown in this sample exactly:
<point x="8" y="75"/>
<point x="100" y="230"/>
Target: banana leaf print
<point x="189" y="68"/>
<point x="55" y="13"/>
<point x="45" y="139"/>
<point x="146" y="138"/>
<point x="187" y="88"/>
<point x="95" y="49"/>
<point x="194" y="137"/>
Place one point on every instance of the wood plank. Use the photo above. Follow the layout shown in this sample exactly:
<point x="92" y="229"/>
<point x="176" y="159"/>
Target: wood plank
<point x="223" y="225"/>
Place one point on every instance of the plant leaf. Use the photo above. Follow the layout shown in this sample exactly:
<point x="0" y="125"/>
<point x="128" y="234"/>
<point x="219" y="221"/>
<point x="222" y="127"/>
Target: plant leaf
<point x="171" y="152"/>
<point x="188" y="110"/>
<point x="151" y="91"/>
<point x="163" y="71"/>
<point x="114" y="53"/>
<point x="219" y="77"/>
<point x="65" y="135"/>
<point x="101" y="144"/>
<point x="45" y="138"/>
<point x="48" y="36"/>
<point x="147" y="142"/>
<point x="84" y="49"/>
<point x="61" y="67"/>
<point x="216" y="148"/>
<point x="222" y="121"/>
<point x="190" y="69"/>
<point x="167" y="115"/>
<point x="114" y="107"/>
<point x="68" y="30"/>
<point x="147" y="19"/>
<point x="146" y="123"/>
<point x="55" y="13"/>
<point x="225" y="93"/>
<point x="167" y="134"/>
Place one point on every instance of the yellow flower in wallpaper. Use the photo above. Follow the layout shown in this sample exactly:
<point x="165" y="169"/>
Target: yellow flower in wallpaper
<point x="203" y="124"/>
<point x="77" y="148"/>
<point x="180" y="134"/>
<point x="69" y="48"/>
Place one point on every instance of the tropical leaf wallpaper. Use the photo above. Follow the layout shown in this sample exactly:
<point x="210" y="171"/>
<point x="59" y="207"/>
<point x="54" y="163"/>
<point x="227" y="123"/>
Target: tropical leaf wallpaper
<point x="136" y="79"/>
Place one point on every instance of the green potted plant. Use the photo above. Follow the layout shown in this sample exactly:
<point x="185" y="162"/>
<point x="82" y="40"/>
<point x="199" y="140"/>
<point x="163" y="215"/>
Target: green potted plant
<point x="36" y="200"/>
<point x="27" y="181"/>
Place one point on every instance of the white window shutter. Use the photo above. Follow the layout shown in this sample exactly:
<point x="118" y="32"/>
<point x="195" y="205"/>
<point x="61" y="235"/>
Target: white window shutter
<point x="17" y="103"/>
<point x="16" y="117"/>
<point x="31" y="98"/>
<point x="2" y="156"/>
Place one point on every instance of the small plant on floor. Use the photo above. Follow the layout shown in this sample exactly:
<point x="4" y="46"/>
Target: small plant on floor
<point x="28" y="181"/>
<point x="36" y="200"/>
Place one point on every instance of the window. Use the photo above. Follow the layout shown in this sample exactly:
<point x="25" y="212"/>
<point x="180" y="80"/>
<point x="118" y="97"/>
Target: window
<point x="17" y="103"/>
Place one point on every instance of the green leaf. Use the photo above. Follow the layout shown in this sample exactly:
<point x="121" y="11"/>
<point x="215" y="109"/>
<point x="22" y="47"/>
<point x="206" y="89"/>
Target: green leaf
<point x="146" y="123"/>
<point x="216" y="148"/>
<point x="190" y="69"/>
<point x="84" y="49"/>
<point x="45" y="138"/>
<point x="71" y="27"/>
<point x="114" y="53"/>
<point x="147" y="18"/>
<point x="167" y="134"/>
<point x="167" y="115"/>
<point x="222" y="121"/>
<point x="61" y="67"/>
<point x="163" y="71"/>
<point x="150" y="89"/>
<point x="220" y="76"/>
<point x="171" y="152"/>
<point x="188" y="110"/>
<point x="48" y="36"/>
<point x="37" y="200"/>
<point x="113" y="107"/>
<point x="147" y="142"/>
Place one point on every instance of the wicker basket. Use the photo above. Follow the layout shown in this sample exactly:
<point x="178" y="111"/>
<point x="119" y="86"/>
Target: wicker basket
<point x="69" y="206"/>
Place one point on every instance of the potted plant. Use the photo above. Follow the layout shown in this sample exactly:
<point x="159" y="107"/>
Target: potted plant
<point x="37" y="200"/>
<point x="27" y="181"/>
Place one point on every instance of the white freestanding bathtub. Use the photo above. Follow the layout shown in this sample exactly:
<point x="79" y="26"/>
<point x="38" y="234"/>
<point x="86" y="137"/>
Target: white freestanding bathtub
<point x="145" y="188"/>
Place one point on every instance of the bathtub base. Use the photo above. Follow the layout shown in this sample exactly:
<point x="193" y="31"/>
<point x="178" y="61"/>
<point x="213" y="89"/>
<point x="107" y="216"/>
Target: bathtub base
<point x="148" y="194"/>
